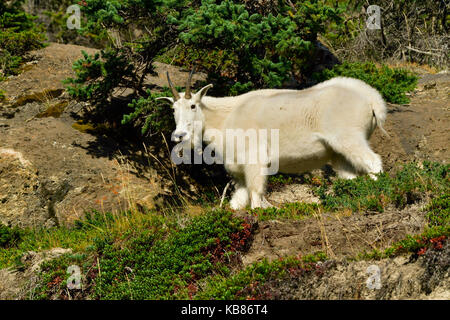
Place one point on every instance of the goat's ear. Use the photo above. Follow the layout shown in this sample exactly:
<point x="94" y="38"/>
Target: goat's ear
<point x="200" y="94"/>
<point x="168" y="99"/>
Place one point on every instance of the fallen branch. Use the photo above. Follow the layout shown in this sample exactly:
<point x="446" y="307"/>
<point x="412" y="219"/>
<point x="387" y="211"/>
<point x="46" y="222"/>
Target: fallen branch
<point x="224" y="193"/>
<point x="423" y="52"/>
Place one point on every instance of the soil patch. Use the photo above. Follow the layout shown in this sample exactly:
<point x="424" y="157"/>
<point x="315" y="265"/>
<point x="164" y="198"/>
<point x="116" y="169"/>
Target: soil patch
<point x="338" y="235"/>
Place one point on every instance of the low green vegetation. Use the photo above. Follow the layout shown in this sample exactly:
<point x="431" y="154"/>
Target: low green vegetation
<point x="284" y="179"/>
<point x="54" y="276"/>
<point x="169" y="255"/>
<point x="128" y="257"/>
<point x="81" y="236"/>
<point x="44" y="239"/>
<point x="411" y="183"/>
<point x="164" y="268"/>
<point x="439" y="211"/>
<point x="249" y="282"/>
<point x="392" y="83"/>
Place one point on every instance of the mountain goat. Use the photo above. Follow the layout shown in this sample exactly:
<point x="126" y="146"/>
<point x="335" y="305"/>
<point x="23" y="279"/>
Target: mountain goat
<point x="329" y="122"/>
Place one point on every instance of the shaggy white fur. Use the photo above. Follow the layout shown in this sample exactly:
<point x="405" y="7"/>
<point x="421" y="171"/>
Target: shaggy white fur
<point x="327" y="123"/>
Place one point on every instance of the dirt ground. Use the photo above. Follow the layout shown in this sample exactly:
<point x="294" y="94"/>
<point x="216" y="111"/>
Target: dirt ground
<point x="338" y="235"/>
<point x="420" y="130"/>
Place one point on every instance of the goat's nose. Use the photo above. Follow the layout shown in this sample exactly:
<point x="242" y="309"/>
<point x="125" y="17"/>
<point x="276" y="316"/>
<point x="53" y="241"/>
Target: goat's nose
<point x="179" y="135"/>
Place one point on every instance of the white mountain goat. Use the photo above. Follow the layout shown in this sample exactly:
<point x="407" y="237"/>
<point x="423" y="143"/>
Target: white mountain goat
<point x="329" y="122"/>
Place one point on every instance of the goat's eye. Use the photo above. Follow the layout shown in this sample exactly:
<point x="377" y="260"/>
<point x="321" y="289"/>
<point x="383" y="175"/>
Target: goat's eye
<point x="193" y="107"/>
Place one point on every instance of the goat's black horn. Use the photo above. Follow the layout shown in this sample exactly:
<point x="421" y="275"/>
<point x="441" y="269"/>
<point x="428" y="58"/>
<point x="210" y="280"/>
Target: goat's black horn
<point x="175" y="93"/>
<point x="187" y="94"/>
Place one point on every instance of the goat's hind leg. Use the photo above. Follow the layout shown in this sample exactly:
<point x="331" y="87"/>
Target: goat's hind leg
<point x="343" y="168"/>
<point x="354" y="148"/>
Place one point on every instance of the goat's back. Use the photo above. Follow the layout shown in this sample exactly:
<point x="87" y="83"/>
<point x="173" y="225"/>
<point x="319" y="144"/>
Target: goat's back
<point x="336" y="104"/>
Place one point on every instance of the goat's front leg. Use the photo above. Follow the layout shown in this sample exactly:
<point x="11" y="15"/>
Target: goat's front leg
<point x="240" y="198"/>
<point x="256" y="185"/>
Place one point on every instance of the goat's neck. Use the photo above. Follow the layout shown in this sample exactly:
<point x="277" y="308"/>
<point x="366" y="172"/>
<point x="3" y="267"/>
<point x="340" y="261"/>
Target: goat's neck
<point x="215" y="113"/>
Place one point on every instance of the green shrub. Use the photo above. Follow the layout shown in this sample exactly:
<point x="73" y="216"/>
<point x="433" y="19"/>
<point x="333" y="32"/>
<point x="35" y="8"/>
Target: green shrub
<point x="243" y="49"/>
<point x="9" y="236"/>
<point x="439" y="211"/>
<point x="18" y="35"/>
<point x="238" y="46"/>
<point x="150" y="114"/>
<point x="9" y="64"/>
<point x="54" y="277"/>
<point x="98" y="75"/>
<point x="392" y="83"/>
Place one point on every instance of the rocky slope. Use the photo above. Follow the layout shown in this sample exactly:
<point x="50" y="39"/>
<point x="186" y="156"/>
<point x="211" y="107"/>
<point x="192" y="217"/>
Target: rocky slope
<point x="51" y="171"/>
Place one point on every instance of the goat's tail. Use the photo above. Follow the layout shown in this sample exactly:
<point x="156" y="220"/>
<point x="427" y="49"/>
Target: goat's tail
<point x="379" y="111"/>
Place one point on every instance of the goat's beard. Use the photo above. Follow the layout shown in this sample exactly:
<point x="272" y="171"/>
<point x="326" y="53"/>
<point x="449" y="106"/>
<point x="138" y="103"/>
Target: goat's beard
<point x="197" y="137"/>
<point x="197" y="142"/>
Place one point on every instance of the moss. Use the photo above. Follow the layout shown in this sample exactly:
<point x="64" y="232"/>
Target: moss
<point x="43" y="96"/>
<point x="88" y="127"/>
<point x="54" y="111"/>
<point x="83" y="127"/>
<point x="2" y="95"/>
<point x="295" y="210"/>
<point x="26" y="68"/>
